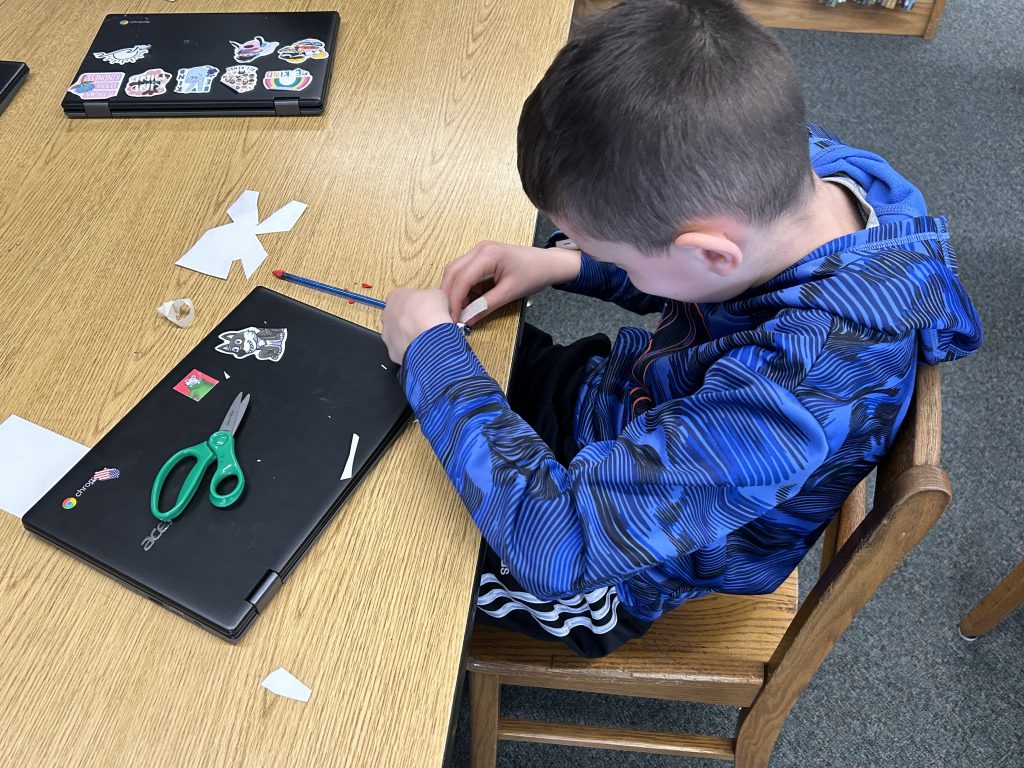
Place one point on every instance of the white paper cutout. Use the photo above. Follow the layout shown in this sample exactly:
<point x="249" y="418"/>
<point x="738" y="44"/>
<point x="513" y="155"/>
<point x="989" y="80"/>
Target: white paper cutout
<point x="218" y="247"/>
<point x="347" y="472"/>
<point x="181" y="312"/>
<point x="32" y="459"/>
<point x="284" y="683"/>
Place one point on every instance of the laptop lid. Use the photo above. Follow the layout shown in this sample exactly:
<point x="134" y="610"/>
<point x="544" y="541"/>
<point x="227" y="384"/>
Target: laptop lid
<point x="314" y="381"/>
<point x="12" y="75"/>
<point x="196" y="64"/>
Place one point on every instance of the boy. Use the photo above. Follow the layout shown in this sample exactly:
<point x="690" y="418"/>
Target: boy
<point x="797" y="294"/>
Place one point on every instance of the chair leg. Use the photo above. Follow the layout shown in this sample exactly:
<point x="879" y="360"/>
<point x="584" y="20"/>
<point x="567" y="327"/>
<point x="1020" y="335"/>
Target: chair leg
<point x="755" y="738"/>
<point x="484" y="692"/>
<point x="996" y="605"/>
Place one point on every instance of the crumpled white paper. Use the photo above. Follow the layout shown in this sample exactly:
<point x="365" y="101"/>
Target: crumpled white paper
<point x="218" y="247"/>
<point x="181" y="312"/>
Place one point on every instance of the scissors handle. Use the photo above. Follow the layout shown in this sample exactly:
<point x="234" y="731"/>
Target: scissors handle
<point x="223" y="446"/>
<point x="220" y="447"/>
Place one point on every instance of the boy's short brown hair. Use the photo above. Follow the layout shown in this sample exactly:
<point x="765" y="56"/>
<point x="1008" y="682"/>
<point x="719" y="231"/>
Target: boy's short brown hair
<point x="660" y="113"/>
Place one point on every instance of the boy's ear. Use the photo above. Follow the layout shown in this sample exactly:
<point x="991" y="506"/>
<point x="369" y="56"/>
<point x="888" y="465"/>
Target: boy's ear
<point x="715" y="250"/>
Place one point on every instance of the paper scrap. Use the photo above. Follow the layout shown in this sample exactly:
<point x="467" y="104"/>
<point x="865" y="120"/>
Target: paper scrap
<point x="181" y="312"/>
<point x="284" y="683"/>
<point x="32" y="459"/>
<point x="347" y="473"/>
<point x="473" y="309"/>
<point x="218" y="247"/>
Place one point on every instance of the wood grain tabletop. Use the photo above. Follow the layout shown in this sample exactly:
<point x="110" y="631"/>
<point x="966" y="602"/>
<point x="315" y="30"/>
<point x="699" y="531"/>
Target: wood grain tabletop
<point x="412" y="162"/>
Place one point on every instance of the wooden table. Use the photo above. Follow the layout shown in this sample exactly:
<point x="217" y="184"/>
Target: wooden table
<point x="413" y="162"/>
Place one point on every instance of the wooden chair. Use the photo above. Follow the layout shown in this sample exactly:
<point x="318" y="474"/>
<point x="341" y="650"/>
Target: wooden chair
<point x="753" y="652"/>
<point x="1004" y="598"/>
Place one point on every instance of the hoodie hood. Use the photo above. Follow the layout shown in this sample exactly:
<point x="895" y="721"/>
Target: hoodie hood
<point x="896" y="278"/>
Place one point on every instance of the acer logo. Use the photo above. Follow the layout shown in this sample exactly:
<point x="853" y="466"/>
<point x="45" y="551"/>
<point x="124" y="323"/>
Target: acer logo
<point x="155" y="535"/>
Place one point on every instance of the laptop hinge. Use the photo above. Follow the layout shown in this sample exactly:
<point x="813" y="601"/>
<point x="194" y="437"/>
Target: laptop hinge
<point x="286" y="107"/>
<point x="265" y="591"/>
<point x="97" y="109"/>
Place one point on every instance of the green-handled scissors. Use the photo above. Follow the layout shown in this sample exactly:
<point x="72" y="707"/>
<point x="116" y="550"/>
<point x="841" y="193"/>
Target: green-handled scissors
<point x="219" y="446"/>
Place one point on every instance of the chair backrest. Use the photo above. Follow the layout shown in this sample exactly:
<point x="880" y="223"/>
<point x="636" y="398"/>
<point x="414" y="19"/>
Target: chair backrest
<point x="860" y="551"/>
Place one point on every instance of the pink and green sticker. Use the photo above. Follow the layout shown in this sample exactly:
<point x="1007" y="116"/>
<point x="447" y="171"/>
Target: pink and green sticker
<point x="196" y="385"/>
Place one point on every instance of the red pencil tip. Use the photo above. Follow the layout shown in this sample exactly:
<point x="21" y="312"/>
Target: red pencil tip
<point x="278" y="273"/>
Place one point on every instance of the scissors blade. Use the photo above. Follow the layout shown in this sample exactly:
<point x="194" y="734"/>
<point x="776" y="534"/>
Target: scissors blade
<point x="235" y="413"/>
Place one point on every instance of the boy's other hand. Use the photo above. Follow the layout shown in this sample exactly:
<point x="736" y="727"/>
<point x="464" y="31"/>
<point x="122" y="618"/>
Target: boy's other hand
<point x="503" y="273"/>
<point x="407" y="314"/>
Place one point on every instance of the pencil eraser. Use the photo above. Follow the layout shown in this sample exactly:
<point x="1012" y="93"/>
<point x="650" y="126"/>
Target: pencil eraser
<point x="278" y="273"/>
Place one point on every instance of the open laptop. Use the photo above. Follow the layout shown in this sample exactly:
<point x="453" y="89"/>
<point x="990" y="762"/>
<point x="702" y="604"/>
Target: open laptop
<point x="314" y="381"/>
<point x="195" y="64"/>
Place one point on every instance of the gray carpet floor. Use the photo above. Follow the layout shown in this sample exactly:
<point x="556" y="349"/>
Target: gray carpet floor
<point x="901" y="689"/>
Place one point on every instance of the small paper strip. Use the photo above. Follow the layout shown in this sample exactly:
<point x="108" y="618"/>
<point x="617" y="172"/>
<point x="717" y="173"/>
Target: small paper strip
<point x="347" y="473"/>
<point x="284" y="683"/>
<point x="473" y="309"/>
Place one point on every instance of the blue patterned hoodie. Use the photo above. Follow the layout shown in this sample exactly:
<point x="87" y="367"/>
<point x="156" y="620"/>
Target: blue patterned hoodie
<point x="715" y="449"/>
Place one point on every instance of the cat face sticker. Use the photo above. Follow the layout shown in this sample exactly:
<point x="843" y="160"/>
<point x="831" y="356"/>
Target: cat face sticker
<point x="261" y="343"/>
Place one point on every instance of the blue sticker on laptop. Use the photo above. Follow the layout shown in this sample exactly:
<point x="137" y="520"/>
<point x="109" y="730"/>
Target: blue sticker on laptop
<point x="196" y="79"/>
<point x="252" y="49"/>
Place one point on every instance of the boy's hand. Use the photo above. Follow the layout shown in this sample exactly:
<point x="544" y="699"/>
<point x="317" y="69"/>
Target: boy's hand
<point x="502" y="273"/>
<point x="409" y="313"/>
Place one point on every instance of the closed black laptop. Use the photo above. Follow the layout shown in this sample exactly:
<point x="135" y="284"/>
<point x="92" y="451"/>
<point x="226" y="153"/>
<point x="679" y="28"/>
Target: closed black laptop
<point x="12" y="74"/>
<point x="192" y="64"/>
<point x="313" y="380"/>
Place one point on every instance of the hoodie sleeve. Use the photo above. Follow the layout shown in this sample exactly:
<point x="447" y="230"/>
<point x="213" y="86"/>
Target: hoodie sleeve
<point x="606" y="282"/>
<point x="679" y="478"/>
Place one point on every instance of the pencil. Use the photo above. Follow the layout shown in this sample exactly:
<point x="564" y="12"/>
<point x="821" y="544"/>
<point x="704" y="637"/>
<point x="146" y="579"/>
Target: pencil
<point x="281" y="274"/>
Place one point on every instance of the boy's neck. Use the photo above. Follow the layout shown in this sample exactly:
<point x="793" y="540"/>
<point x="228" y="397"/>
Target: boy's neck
<point x="829" y="213"/>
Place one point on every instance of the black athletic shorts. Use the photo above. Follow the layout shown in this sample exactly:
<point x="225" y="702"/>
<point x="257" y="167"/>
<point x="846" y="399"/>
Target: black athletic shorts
<point x="543" y="388"/>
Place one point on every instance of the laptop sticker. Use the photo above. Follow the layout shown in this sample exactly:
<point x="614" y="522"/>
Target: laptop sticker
<point x="300" y="50"/>
<point x="124" y="55"/>
<point x="242" y="78"/>
<point x="196" y="79"/>
<point x="287" y="80"/>
<point x="152" y="82"/>
<point x="252" y="49"/>
<point x="263" y="343"/>
<point x="196" y="385"/>
<point x="102" y="475"/>
<point x="97" y="85"/>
